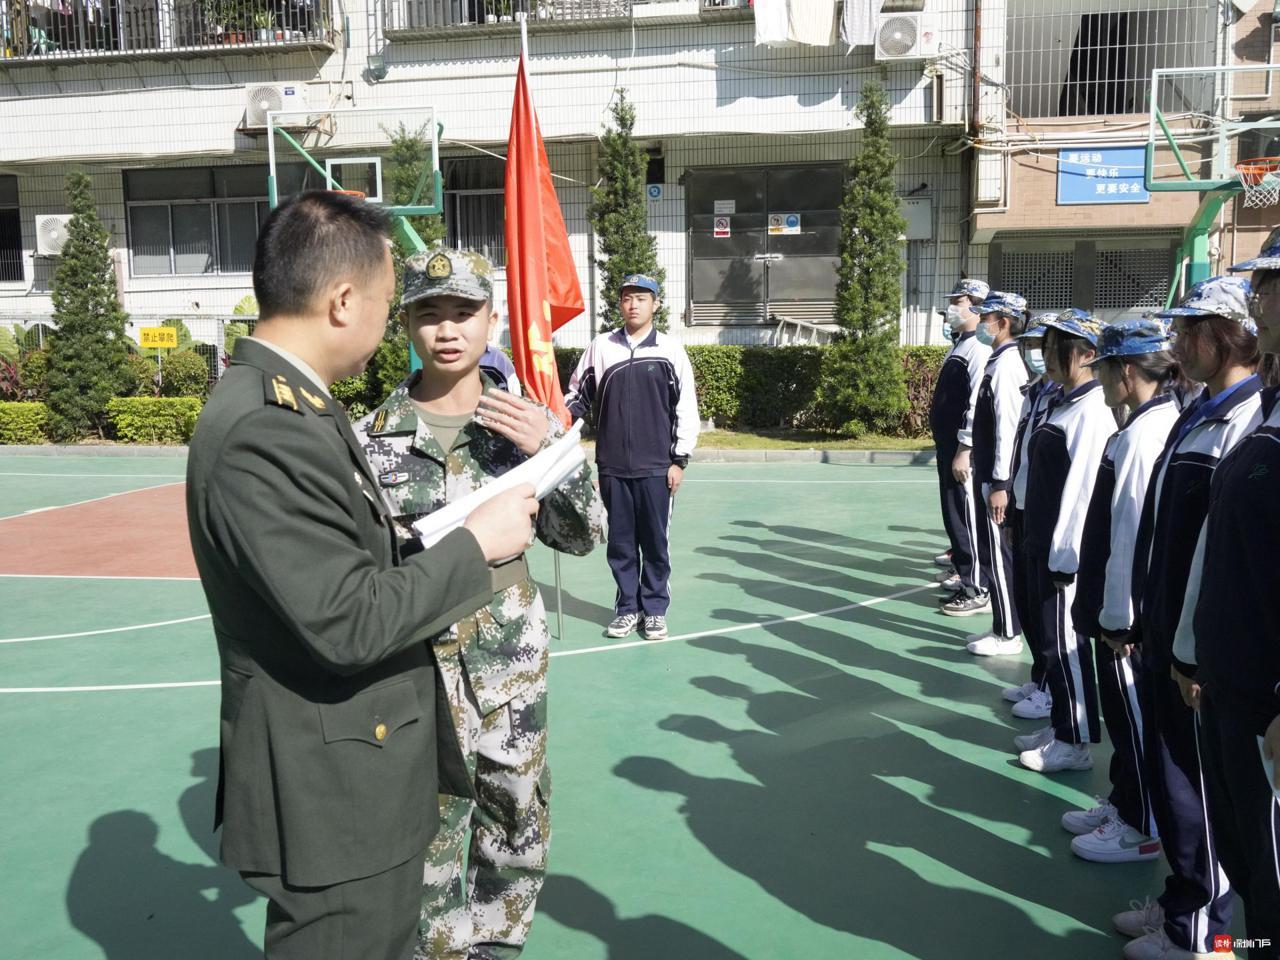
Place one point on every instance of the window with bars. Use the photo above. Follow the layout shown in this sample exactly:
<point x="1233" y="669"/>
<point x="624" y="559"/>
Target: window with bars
<point x="11" y="253"/>
<point x="1132" y="279"/>
<point x="473" y="212"/>
<point x="1045" y="277"/>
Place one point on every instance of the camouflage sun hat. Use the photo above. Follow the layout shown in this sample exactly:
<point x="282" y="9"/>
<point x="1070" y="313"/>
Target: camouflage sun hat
<point x="1131" y="338"/>
<point x="1006" y="304"/>
<point x="1076" y="323"/>
<point x="975" y="290"/>
<point x="1036" y="330"/>
<point x="1268" y="257"/>
<point x="1218" y="296"/>
<point x="447" y="273"/>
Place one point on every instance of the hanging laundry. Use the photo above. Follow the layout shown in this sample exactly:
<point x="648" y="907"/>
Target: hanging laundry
<point x="771" y="23"/>
<point x="812" y="22"/>
<point x="858" y="25"/>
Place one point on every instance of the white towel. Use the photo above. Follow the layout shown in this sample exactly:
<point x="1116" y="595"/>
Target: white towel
<point x="858" y="25"/>
<point x="771" y="23"/>
<point x="812" y="22"/>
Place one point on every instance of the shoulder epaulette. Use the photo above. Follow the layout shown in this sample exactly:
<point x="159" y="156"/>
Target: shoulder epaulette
<point x="280" y="393"/>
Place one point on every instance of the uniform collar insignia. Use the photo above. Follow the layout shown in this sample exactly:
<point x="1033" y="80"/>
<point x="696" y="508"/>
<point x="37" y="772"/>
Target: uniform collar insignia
<point x="284" y="393"/>
<point x="311" y="398"/>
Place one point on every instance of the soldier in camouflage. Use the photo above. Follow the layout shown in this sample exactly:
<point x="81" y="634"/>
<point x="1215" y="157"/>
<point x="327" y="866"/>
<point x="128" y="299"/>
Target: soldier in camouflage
<point x="441" y="434"/>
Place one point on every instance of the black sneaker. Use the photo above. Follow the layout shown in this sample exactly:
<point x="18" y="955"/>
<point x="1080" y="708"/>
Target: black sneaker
<point x="622" y="625"/>
<point x="963" y="605"/>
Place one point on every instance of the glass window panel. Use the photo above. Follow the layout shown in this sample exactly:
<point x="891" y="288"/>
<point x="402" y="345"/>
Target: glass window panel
<point x="192" y="238"/>
<point x="10" y="247"/>
<point x="358" y="176"/>
<point x="179" y="183"/>
<point x="478" y="224"/>
<point x="149" y="240"/>
<point x="245" y="181"/>
<point x="294" y="178"/>
<point x="237" y="233"/>
<point x="474" y="173"/>
<point x="8" y="191"/>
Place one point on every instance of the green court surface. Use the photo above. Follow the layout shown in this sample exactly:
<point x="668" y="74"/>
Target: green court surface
<point x="812" y="767"/>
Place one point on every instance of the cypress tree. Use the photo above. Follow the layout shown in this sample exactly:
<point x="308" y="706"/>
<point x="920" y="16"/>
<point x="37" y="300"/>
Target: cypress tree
<point x="863" y="386"/>
<point x="619" y="215"/>
<point x="88" y="357"/>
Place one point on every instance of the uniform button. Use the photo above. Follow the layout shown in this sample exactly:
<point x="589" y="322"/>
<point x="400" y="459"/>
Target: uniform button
<point x="380" y="732"/>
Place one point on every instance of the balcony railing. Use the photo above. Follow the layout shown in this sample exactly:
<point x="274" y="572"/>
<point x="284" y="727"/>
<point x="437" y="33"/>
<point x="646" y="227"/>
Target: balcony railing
<point x="48" y="30"/>
<point x="421" y="17"/>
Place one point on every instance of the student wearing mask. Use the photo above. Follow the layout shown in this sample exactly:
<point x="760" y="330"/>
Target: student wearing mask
<point x="1065" y="453"/>
<point x="951" y="422"/>
<point x="1216" y="343"/>
<point x="1135" y="366"/>
<point x="1228" y="662"/>
<point x="995" y="430"/>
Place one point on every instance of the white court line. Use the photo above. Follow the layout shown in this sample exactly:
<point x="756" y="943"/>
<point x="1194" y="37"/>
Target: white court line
<point x="81" y="576"/>
<point x="79" y="503"/>
<point x="127" y="476"/>
<point x="98" y="633"/>
<point x="563" y="653"/>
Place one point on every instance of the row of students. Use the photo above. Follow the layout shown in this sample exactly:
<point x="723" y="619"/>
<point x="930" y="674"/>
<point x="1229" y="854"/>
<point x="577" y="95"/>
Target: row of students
<point x="1095" y="548"/>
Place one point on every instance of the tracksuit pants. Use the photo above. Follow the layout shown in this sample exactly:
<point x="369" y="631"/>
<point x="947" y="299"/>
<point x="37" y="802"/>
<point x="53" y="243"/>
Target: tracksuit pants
<point x="1245" y="816"/>
<point x="959" y="521"/>
<point x="1197" y="896"/>
<point x="995" y="556"/>
<point x="1068" y="660"/>
<point x="1023" y="601"/>
<point x="639" y="518"/>
<point x="1122" y="714"/>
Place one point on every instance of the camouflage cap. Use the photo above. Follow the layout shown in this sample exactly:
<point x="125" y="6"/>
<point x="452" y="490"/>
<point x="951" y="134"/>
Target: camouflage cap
<point x="447" y="273"/>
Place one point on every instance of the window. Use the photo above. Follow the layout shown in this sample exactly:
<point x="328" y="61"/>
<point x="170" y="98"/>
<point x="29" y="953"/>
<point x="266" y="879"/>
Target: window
<point x="196" y="220"/>
<point x="473" y="212"/>
<point x="10" y="232"/>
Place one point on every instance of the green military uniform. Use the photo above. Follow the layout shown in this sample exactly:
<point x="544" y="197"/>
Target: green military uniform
<point x="331" y="727"/>
<point x="495" y="662"/>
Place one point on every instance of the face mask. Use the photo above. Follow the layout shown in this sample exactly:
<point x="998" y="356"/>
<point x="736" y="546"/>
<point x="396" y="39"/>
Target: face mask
<point x="1034" y="359"/>
<point x="955" y="319"/>
<point x="985" y="336"/>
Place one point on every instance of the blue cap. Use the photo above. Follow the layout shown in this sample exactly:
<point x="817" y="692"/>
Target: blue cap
<point x="1217" y="297"/>
<point x="1075" y="322"/>
<point x="1268" y="257"/>
<point x="640" y="281"/>
<point x="1006" y="304"/>
<point x="975" y="290"/>
<point x="1037" y="329"/>
<point x="1131" y="338"/>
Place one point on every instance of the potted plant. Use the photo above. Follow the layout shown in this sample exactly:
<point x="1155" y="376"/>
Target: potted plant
<point x="263" y="23"/>
<point x="504" y="11"/>
<point x="490" y="12"/>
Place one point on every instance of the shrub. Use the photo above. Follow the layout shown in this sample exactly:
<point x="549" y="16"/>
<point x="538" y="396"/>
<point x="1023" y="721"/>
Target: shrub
<point x="779" y="386"/>
<point x="10" y="388"/>
<point x="566" y="362"/>
<point x="920" y="370"/>
<point x="234" y="331"/>
<point x="351" y="391"/>
<point x="184" y="373"/>
<point x="23" y="422"/>
<point x="33" y="374"/>
<point x="154" y="419"/>
<point x="9" y="349"/>
<point x="717" y="371"/>
<point x="143" y="373"/>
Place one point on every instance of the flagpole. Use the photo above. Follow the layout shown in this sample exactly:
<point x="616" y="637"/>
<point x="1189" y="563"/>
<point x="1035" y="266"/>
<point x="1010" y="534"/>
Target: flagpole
<point x="524" y="37"/>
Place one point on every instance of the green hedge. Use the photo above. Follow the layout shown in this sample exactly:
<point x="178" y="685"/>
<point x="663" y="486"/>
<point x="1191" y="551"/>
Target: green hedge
<point x="23" y="422"/>
<point x="153" y="419"/>
<point x="776" y="386"/>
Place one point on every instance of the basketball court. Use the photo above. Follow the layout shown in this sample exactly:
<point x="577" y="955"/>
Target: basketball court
<point x="812" y="766"/>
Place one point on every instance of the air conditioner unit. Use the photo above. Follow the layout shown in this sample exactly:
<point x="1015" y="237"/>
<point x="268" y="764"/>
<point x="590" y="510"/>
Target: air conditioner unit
<point x="906" y="36"/>
<point x="51" y="234"/>
<point x="264" y="98"/>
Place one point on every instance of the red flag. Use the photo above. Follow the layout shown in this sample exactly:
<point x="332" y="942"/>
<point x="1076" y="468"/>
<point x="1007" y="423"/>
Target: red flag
<point x="542" y="283"/>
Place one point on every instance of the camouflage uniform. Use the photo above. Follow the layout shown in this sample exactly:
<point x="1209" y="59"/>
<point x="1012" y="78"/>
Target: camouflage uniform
<point x="495" y="668"/>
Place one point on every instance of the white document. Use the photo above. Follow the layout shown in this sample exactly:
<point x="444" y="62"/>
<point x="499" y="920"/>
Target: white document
<point x="544" y="471"/>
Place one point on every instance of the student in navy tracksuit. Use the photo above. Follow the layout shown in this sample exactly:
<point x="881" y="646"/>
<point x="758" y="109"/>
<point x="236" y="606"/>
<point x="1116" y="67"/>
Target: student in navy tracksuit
<point x="1135" y="366"/>
<point x="951" y="422"/>
<point x="995" y="431"/>
<point x="1065" y="454"/>
<point x="1227" y="657"/>
<point x="637" y="385"/>
<point x="497" y="366"/>
<point x="1031" y="699"/>
<point x="1215" y="344"/>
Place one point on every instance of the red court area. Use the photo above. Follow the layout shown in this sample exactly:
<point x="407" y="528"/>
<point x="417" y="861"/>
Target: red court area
<point x="138" y="534"/>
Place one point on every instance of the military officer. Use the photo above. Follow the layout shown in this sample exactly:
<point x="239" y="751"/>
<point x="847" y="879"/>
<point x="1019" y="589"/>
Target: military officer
<point x="444" y="432"/>
<point x="330" y="712"/>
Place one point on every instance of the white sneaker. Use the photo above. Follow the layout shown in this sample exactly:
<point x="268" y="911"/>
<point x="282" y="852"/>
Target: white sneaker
<point x="1115" y="842"/>
<point x="992" y="646"/>
<point x="1038" y="706"/>
<point x="943" y="559"/>
<point x="1157" y="946"/>
<point x="1141" y="919"/>
<point x="951" y="584"/>
<point x="942" y="576"/>
<point x="1018" y="694"/>
<point x="1081" y="822"/>
<point x="1033" y="741"/>
<point x="1056" y="756"/>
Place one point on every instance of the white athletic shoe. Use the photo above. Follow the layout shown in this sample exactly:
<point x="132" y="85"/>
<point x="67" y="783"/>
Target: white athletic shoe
<point x="943" y="559"/>
<point x="1018" y="694"/>
<point x="1140" y="919"/>
<point x="622" y="625"/>
<point x="1081" y="822"/>
<point x="951" y="584"/>
<point x="992" y="646"/>
<point x="942" y="576"/>
<point x="1056" y="756"/>
<point x="1157" y="946"/>
<point x="1115" y="842"/>
<point x="1038" y="706"/>
<point x="1032" y="741"/>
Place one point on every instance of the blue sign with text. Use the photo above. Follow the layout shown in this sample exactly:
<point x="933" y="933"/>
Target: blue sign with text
<point x="1102" y="175"/>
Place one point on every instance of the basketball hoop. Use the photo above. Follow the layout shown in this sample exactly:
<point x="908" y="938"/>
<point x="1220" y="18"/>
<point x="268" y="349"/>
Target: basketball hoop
<point x="360" y="194"/>
<point x="1261" y="181"/>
